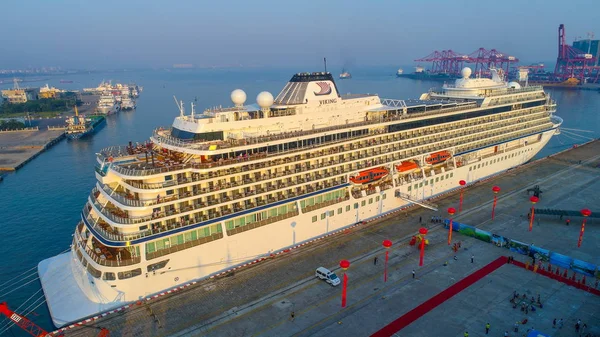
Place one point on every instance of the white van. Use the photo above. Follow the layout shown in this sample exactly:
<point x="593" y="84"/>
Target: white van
<point x="328" y="276"/>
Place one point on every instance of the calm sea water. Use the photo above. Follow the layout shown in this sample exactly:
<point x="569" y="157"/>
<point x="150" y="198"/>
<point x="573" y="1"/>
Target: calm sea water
<point x="40" y="204"/>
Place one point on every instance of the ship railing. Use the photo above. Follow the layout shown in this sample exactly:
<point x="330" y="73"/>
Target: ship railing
<point x="109" y="262"/>
<point x="122" y="199"/>
<point x="144" y="172"/>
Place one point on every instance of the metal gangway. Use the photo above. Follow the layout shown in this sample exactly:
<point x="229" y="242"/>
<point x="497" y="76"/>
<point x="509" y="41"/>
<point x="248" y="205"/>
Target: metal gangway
<point x="422" y="203"/>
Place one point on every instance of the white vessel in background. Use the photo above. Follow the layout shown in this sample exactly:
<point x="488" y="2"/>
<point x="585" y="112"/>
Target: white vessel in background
<point x="345" y="75"/>
<point x="399" y="72"/>
<point x="127" y="103"/>
<point x="107" y="105"/>
<point x="230" y="185"/>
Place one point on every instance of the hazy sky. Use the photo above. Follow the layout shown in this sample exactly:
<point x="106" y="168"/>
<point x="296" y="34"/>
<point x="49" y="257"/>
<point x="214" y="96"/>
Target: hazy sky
<point x="131" y="33"/>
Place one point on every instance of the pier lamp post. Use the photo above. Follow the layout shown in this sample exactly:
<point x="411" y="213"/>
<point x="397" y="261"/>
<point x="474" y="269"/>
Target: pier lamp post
<point x="451" y="212"/>
<point x="423" y="232"/>
<point x="386" y="244"/>
<point x="344" y="264"/>
<point x="462" y="184"/>
<point x="533" y="200"/>
<point x="585" y="212"/>
<point x="496" y="190"/>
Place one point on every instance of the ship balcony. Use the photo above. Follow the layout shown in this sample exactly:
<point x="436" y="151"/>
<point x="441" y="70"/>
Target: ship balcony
<point x="185" y="216"/>
<point x="104" y="255"/>
<point x="257" y="165"/>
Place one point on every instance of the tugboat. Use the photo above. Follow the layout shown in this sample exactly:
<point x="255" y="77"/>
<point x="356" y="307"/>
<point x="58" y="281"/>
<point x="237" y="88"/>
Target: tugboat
<point x="80" y="126"/>
<point x="345" y="75"/>
<point x="369" y="176"/>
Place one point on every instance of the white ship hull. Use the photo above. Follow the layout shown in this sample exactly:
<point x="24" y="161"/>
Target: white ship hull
<point x="90" y="296"/>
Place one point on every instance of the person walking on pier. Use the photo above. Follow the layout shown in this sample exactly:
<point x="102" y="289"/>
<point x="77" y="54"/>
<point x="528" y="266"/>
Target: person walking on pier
<point x="375" y="260"/>
<point x="554" y="324"/>
<point x="472" y="258"/>
<point x="413" y="273"/>
<point x="420" y="219"/>
<point x="487" y="328"/>
<point x="292" y="316"/>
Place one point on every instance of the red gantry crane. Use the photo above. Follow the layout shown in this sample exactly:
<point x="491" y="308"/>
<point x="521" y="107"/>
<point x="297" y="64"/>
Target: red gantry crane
<point x="451" y="62"/>
<point x="22" y="322"/>
<point x="574" y="63"/>
<point x="32" y="328"/>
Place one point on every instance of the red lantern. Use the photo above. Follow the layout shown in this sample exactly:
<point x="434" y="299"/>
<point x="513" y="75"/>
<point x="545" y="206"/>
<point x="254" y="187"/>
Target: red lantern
<point x="462" y="183"/>
<point x="533" y="200"/>
<point x="423" y="231"/>
<point x="386" y="244"/>
<point x="344" y="264"/>
<point x="585" y="212"/>
<point x="496" y="190"/>
<point x="451" y="212"/>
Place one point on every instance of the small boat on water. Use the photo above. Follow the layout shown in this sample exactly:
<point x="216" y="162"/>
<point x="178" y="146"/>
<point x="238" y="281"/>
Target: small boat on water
<point x="369" y="176"/>
<point x="79" y="126"/>
<point x="345" y="75"/>
<point x="66" y="81"/>
<point x="438" y="157"/>
<point x="406" y="166"/>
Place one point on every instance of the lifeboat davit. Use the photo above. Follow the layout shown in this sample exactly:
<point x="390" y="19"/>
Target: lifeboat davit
<point x="438" y="157"/>
<point x="369" y="176"/>
<point x="406" y="166"/>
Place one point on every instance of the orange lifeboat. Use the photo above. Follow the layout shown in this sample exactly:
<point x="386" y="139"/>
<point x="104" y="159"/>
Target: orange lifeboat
<point x="369" y="176"/>
<point x="408" y="165"/>
<point x="438" y="157"/>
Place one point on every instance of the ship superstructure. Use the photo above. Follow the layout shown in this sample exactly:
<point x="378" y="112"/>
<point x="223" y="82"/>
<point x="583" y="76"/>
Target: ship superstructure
<point x="229" y="185"/>
<point x="107" y="105"/>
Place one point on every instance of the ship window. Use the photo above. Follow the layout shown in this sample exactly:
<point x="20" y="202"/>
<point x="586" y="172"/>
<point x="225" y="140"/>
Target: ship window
<point x="178" y="239"/>
<point x="363" y="203"/>
<point x="470" y="168"/>
<point x="426" y="182"/>
<point x="314" y="218"/>
<point x="169" y="177"/>
<point x="150" y="247"/>
<point x="384" y="196"/>
<point x="370" y="201"/>
<point x="340" y="210"/>
<point x="157" y="265"/>
<point x="431" y="181"/>
<point x="420" y="184"/>
<point x="229" y="224"/>
<point x="170" y="192"/>
<point x="451" y="174"/>
<point x="355" y="205"/>
<point x="130" y="273"/>
<point x="409" y="188"/>
<point x="441" y="177"/>
<point x="84" y="262"/>
<point x="93" y="271"/>
<point x="323" y="216"/>
<point x="416" y="186"/>
<point x="377" y="198"/>
<point x="331" y="213"/>
<point x="303" y="204"/>
<point x="347" y="208"/>
<point x="478" y="166"/>
<point x="108" y="276"/>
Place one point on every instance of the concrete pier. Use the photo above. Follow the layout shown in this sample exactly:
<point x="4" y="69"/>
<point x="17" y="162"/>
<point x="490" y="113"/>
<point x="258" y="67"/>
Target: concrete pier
<point x="19" y="147"/>
<point x="258" y="300"/>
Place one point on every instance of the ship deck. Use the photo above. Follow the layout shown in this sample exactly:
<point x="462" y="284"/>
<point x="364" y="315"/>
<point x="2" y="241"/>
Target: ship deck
<point x="272" y="290"/>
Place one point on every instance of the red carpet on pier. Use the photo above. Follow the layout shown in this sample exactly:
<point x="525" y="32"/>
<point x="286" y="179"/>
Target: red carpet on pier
<point x="438" y="299"/>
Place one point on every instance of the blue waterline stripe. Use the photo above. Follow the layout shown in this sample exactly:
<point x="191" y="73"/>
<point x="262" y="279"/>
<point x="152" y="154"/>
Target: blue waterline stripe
<point x="257" y="209"/>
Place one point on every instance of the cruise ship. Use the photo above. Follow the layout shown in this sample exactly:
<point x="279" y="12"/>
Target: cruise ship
<point x="229" y="185"/>
<point x="107" y="105"/>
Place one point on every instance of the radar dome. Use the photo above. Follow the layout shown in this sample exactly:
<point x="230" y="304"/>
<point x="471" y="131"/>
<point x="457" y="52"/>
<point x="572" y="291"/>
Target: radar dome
<point x="238" y="97"/>
<point x="514" y="85"/>
<point x="265" y="99"/>
<point x="465" y="72"/>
